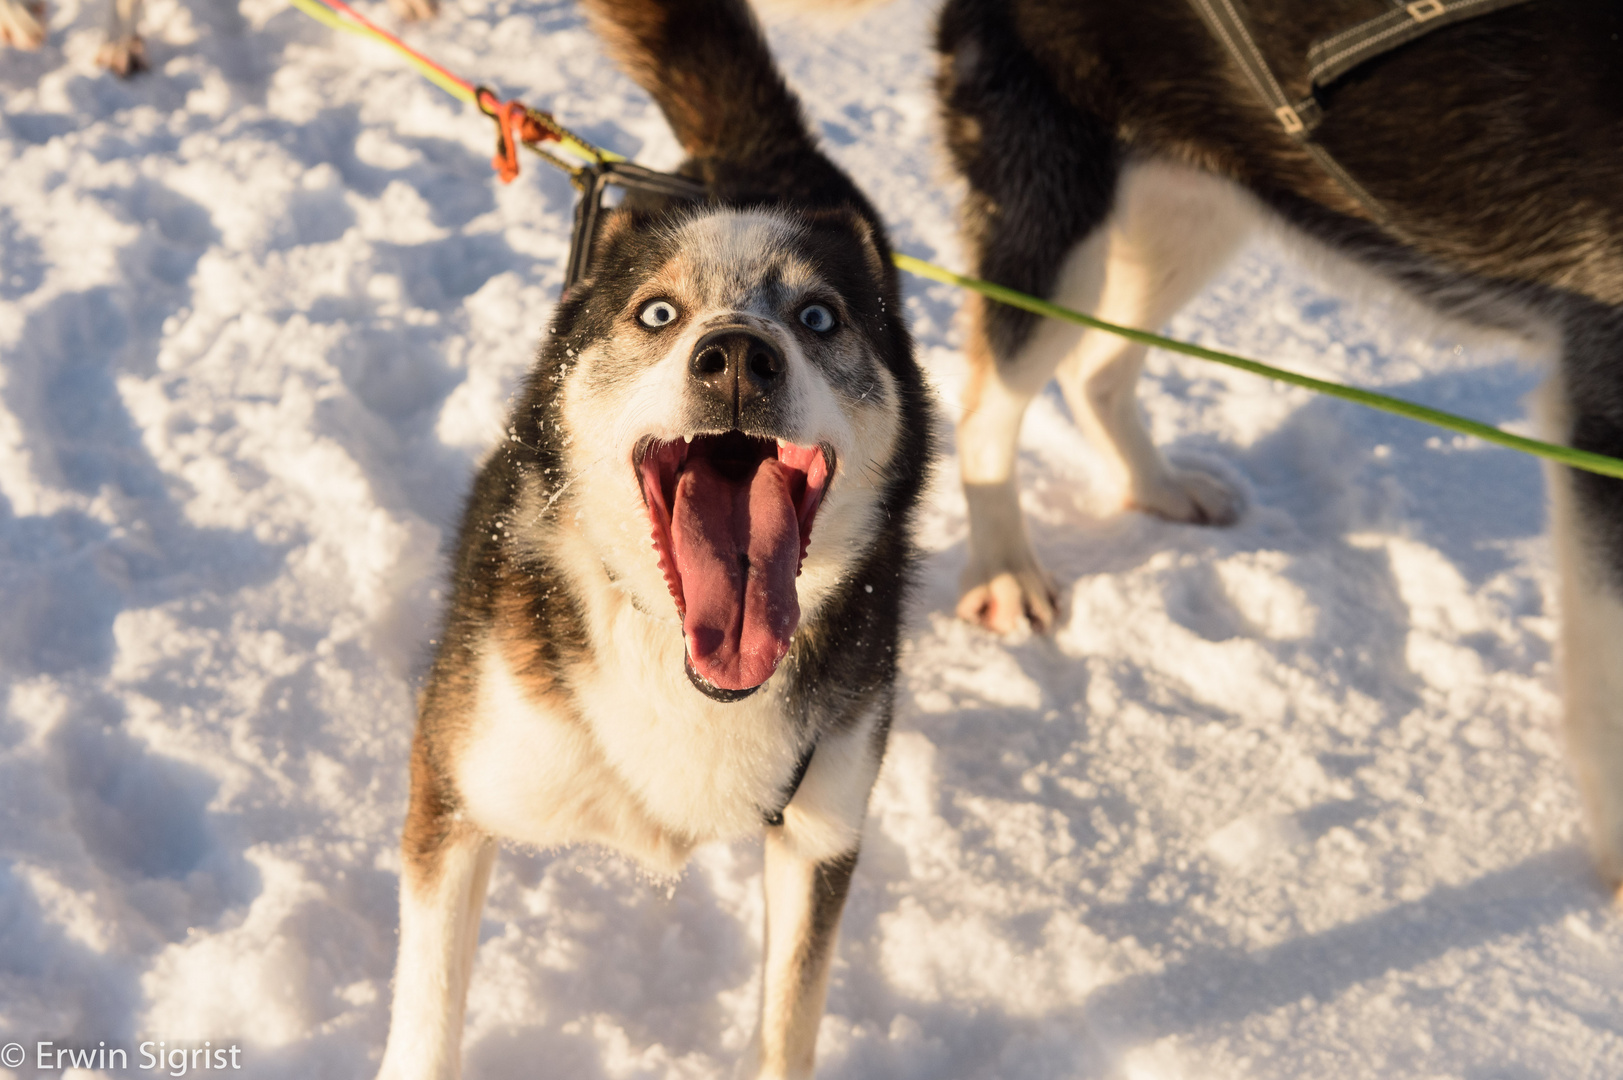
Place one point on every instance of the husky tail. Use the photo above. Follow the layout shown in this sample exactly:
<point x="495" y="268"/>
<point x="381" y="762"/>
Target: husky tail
<point x="707" y="65"/>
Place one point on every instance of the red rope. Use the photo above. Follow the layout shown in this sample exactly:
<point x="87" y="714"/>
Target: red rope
<point x="516" y="123"/>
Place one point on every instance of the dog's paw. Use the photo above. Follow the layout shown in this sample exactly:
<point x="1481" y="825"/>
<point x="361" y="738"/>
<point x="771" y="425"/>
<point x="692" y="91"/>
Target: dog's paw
<point x="1000" y="601"/>
<point x="22" y="26"/>
<point x="123" y="57"/>
<point x="415" y="10"/>
<point x="1191" y="496"/>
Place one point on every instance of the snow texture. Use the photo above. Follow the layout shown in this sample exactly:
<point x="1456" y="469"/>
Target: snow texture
<point x="1285" y="800"/>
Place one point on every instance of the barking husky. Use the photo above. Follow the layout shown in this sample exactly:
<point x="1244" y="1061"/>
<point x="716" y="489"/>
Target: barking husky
<point x="678" y="586"/>
<point x="1115" y="156"/>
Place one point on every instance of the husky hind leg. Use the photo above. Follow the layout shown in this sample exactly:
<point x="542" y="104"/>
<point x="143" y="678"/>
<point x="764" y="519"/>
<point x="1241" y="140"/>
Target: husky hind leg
<point x="1170" y="229"/>
<point x="1052" y="211"/>
<point x="1586" y="521"/>
<point x="1041" y="178"/>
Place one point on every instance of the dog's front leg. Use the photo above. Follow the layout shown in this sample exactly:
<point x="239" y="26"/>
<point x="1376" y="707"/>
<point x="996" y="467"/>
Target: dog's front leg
<point x="22" y="24"/>
<point x="446" y="868"/>
<point x="124" y="53"/>
<point x="804" y="898"/>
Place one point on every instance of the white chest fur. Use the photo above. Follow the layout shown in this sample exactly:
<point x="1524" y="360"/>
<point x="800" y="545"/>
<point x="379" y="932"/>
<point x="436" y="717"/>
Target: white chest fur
<point x="643" y="762"/>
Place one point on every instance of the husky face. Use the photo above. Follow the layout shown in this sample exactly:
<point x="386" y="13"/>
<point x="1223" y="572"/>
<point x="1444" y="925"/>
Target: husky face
<point x="729" y="413"/>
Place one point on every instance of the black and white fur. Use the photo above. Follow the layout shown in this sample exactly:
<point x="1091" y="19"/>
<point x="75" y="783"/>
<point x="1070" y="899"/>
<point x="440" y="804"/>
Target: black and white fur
<point x="558" y="709"/>
<point x="1116" y="157"/>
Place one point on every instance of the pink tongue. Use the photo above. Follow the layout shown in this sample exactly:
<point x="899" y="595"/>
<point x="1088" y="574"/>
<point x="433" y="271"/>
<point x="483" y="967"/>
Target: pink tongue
<point x="739" y="617"/>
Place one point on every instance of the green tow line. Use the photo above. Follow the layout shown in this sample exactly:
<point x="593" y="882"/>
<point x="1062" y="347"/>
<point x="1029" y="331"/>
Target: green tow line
<point x="1565" y="455"/>
<point x="340" y="16"/>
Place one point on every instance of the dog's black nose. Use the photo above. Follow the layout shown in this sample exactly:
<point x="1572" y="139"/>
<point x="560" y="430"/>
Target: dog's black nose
<point x="737" y="367"/>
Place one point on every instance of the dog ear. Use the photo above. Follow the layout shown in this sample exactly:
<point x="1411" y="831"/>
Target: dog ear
<point x="849" y="222"/>
<point x="612" y="225"/>
<point x="616" y="228"/>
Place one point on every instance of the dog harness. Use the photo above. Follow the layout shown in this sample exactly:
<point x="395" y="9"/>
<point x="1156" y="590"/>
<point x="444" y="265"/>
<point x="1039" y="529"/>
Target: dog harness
<point x="774" y="818"/>
<point x="1328" y="59"/>
<point x="592" y="181"/>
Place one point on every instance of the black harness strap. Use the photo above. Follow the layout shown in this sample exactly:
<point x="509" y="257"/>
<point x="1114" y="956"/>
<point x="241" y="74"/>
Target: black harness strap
<point x="774" y="818"/>
<point x="592" y="181"/>
<point x="1330" y="58"/>
<point x="1298" y="118"/>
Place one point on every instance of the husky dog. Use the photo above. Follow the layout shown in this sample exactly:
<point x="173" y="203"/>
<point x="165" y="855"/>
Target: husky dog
<point x="1115" y="156"/>
<point x="678" y="585"/>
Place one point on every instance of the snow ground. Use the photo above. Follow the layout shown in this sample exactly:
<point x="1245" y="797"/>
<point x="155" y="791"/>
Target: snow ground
<point x="1280" y="801"/>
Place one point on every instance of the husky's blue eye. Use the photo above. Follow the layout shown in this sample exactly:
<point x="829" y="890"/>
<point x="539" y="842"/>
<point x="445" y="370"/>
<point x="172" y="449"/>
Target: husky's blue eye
<point x="817" y="317"/>
<point x="657" y="313"/>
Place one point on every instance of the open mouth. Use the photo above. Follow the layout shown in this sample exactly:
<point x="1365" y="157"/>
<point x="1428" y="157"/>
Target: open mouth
<point x="732" y="515"/>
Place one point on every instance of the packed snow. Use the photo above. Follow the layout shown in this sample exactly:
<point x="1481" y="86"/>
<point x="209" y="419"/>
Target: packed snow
<point x="1285" y="800"/>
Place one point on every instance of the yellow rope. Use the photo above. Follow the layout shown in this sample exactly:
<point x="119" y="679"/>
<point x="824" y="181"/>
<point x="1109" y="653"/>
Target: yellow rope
<point x="1566" y="455"/>
<point x="457" y="88"/>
